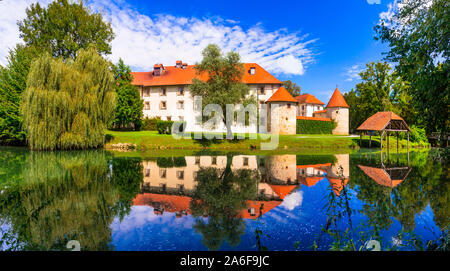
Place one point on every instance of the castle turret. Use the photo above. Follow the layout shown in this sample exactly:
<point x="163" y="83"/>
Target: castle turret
<point x="338" y="110"/>
<point x="286" y="111"/>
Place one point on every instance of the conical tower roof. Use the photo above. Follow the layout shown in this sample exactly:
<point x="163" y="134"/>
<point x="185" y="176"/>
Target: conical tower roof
<point x="281" y="95"/>
<point x="337" y="100"/>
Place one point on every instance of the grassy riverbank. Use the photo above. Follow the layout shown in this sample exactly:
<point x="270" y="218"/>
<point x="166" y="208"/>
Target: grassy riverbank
<point x="150" y="140"/>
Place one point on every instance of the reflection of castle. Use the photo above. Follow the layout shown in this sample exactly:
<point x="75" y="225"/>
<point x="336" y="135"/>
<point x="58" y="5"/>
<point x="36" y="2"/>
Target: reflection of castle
<point x="169" y="189"/>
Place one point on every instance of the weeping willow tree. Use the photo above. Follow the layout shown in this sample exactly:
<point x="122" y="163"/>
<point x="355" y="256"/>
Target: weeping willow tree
<point x="68" y="105"/>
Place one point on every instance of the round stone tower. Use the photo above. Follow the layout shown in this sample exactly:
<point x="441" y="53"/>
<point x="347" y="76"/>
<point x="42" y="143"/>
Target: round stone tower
<point x="338" y="110"/>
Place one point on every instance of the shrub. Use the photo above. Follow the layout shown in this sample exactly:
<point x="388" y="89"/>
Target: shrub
<point x="418" y="134"/>
<point x="315" y="126"/>
<point x="168" y="162"/>
<point x="165" y="126"/>
<point x="149" y="124"/>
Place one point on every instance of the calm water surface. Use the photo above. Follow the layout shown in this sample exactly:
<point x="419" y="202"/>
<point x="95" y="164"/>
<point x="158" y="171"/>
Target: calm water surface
<point x="222" y="202"/>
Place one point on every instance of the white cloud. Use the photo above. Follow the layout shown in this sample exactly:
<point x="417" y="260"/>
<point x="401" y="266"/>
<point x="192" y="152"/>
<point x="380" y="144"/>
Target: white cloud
<point x="371" y="2"/>
<point x="291" y="201"/>
<point x="143" y="40"/>
<point x="352" y="73"/>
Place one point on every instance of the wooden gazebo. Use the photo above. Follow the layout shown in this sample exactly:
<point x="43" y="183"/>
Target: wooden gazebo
<point x="386" y="176"/>
<point x="384" y="122"/>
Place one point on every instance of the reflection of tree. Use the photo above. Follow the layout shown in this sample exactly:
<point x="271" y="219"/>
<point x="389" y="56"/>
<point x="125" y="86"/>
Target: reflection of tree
<point x="127" y="178"/>
<point x="221" y="195"/>
<point x="63" y="196"/>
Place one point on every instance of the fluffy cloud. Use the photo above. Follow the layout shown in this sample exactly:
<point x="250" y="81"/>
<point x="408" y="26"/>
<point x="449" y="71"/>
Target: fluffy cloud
<point x="352" y="73"/>
<point x="293" y="200"/>
<point x="143" y="40"/>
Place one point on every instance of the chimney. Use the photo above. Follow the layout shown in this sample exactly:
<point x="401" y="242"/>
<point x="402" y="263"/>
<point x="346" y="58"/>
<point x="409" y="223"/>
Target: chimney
<point x="178" y="64"/>
<point x="184" y="65"/>
<point x="158" y="69"/>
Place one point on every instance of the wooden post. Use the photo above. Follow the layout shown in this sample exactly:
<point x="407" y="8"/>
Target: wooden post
<point x="397" y="142"/>
<point x="387" y="139"/>
<point x="381" y="140"/>
<point x="360" y="139"/>
<point x="408" y="142"/>
<point x="370" y="140"/>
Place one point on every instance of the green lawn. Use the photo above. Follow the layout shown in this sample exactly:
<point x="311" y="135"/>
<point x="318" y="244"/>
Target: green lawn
<point x="151" y="140"/>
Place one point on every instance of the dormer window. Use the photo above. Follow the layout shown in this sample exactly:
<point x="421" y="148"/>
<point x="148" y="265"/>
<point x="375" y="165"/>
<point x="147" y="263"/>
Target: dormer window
<point x="178" y="64"/>
<point x="184" y="66"/>
<point x="252" y="70"/>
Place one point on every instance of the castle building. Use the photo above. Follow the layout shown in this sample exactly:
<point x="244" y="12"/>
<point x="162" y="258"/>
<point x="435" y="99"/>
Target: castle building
<point x="165" y="94"/>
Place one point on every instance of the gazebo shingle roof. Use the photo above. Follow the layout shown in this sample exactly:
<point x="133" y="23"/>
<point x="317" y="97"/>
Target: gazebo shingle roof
<point x="379" y="121"/>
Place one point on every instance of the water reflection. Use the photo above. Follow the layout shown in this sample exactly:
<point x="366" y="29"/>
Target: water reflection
<point x="323" y="201"/>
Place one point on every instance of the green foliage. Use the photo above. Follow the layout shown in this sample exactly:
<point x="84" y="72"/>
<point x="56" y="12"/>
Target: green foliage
<point x="315" y="126"/>
<point x="169" y="162"/>
<point x="150" y="124"/>
<point x="417" y="134"/>
<point x="380" y="90"/>
<point x="164" y="126"/>
<point x="63" y="28"/>
<point x="292" y="87"/>
<point x="418" y="38"/>
<point x="315" y="159"/>
<point x="68" y="105"/>
<point x="128" y="113"/>
<point x="12" y="84"/>
<point x="224" y="85"/>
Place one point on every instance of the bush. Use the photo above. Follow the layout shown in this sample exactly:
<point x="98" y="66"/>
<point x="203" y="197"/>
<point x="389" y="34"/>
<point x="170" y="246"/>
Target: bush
<point x="418" y="134"/>
<point x="149" y="124"/>
<point x="168" y="162"/>
<point x="165" y="126"/>
<point x="315" y="126"/>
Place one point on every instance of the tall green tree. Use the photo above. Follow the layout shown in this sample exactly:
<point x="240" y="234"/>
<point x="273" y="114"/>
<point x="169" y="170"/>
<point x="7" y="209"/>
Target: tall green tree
<point x="292" y="87"/>
<point x="128" y="112"/>
<point x="418" y="35"/>
<point x="380" y="89"/>
<point x="65" y="27"/>
<point x="68" y="105"/>
<point x="13" y="79"/>
<point x="224" y="84"/>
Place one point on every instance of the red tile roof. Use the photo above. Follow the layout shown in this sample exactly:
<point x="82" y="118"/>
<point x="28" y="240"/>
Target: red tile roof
<point x="313" y="118"/>
<point x="308" y="99"/>
<point x="171" y="203"/>
<point x="337" y="185"/>
<point x="320" y="111"/>
<point x="281" y="95"/>
<point x="337" y="100"/>
<point x="380" y="176"/>
<point x="282" y="190"/>
<point x="268" y="205"/>
<point x="378" y="121"/>
<point x="178" y="76"/>
<point x="310" y="181"/>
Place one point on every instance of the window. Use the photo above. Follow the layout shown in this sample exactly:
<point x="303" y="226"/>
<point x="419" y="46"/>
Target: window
<point x="245" y="161"/>
<point x="180" y="105"/>
<point x="261" y="90"/>
<point x="169" y="118"/>
<point x="147" y="172"/>
<point x="252" y="70"/>
<point x="303" y="107"/>
<point x="146" y="92"/>
<point x="163" y="186"/>
<point x="180" y="91"/>
<point x="181" y="188"/>
<point x="289" y="105"/>
<point x="214" y="160"/>
<point x="163" y="105"/>
<point x="163" y="173"/>
<point x="147" y="106"/>
<point x="197" y="160"/>
<point x="163" y="92"/>
<point x="180" y="174"/>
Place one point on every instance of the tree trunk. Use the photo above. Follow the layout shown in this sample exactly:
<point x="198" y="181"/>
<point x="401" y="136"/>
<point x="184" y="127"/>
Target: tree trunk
<point x="229" y="132"/>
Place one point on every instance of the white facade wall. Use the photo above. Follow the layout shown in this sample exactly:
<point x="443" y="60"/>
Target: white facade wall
<point x="172" y="112"/>
<point x="307" y="110"/>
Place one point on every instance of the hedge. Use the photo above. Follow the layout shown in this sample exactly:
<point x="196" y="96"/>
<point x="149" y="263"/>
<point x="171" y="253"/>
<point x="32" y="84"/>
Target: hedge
<point x="149" y="124"/>
<point x="169" y="162"/>
<point x="165" y="126"/>
<point x="315" y="126"/>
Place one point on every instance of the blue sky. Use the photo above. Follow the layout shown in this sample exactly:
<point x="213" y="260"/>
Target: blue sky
<point x="316" y="44"/>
